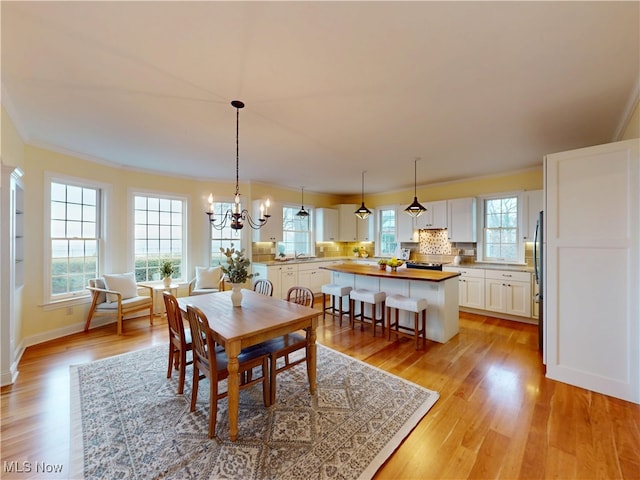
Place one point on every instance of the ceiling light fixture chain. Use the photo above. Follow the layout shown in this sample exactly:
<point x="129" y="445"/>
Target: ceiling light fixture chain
<point x="415" y="209"/>
<point x="363" y="212"/>
<point x="238" y="215"/>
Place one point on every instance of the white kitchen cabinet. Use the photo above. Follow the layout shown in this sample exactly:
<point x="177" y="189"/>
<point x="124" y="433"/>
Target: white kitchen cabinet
<point x="271" y="273"/>
<point x="435" y="217"/>
<point x="365" y="228"/>
<point x="348" y="230"/>
<point x="462" y="220"/>
<point x="405" y="226"/>
<point x="288" y="278"/>
<point x="327" y="226"/>
<point x="471" y="286"/>
<point x="533" y="204"/>
<point x="311" y="276"/>
<point x="272" y="230"/>
<point x="508" y="292"/>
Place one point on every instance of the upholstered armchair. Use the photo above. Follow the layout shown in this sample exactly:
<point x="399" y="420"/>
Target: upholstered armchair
<point x="118" y="295"/>
<point x="207" y="280"/>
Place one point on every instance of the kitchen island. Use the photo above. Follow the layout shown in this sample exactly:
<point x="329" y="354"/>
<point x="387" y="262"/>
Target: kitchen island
<point x="439" y="288"/>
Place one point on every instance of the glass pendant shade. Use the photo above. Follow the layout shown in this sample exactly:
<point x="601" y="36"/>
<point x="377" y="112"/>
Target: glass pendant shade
<point x="415" y="209"/>
<point x="363" y="212"/>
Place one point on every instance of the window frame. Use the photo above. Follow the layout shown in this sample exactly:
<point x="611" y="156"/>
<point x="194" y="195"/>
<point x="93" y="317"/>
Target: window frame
<point x="310" y="231"/>
<point x="104" y="193"/>
<point x="380" y="231"/>
<point x="242" y="236"/>
<point x="131" y="251"/>
<point x="481" y="244"/>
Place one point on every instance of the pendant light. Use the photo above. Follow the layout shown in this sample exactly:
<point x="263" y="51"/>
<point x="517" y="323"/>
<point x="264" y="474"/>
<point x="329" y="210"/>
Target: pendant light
<point x="363" y="212"/>
<point x="415" y="209"/>
<point x="302" y="212"/>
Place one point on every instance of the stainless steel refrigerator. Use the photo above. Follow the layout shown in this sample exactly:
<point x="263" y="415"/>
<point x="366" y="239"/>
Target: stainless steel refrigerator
<point x="538" y="263"/>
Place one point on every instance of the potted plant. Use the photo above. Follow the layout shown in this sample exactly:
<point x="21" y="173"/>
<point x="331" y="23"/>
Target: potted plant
<point x="356" y="251"/>
<point x="382" y="263"/>
<point x="236" y="272"/>
<point x="167" y="270"/>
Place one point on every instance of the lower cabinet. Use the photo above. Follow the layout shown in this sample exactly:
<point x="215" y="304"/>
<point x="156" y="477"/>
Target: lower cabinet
<point x="288" y="279"/>
<point x="503" y="291"/>
<point x="304" y="274"/>
<point x="508" y="292"/>
<point x="470" y="286"/>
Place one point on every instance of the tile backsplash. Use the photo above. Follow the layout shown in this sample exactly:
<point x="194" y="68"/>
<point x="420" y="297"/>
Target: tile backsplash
<point x="433" y="242"/>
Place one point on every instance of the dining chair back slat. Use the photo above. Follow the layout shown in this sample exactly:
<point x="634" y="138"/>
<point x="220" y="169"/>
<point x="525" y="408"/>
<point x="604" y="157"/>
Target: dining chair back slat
<point x="263" y="287"/>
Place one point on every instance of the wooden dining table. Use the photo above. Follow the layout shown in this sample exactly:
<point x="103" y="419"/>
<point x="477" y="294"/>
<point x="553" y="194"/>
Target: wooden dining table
<point x="259" y="318"/>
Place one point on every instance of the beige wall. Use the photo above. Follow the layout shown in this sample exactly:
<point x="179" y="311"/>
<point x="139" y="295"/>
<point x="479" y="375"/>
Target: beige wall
<point x="632" y="130"/>
<point x="525" y="180"/>
<point x="12" y="147"/>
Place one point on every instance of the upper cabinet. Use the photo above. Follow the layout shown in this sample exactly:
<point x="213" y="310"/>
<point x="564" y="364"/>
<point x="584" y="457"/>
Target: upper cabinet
<point x="405" y="226"/>
<point x="365" y="228"/>
<point x="462" y="219"/>
<point x="327" y="225"/>
<point x="533" y="204"/>
<point x="435" y="217"/>
<point x="272" y="230"/>
<point x="348" y="231"/>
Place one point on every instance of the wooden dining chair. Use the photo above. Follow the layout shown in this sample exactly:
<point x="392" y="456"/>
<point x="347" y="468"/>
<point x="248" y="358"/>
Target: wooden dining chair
<point x="179" y="340"/>
<point x="263" y="287"/>
<point x="212" y="363"/>
<point x="285" y="345"/>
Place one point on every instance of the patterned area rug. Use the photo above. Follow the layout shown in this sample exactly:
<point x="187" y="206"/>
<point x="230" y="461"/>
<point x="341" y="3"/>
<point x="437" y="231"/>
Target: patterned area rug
<point x="128" y="422"/>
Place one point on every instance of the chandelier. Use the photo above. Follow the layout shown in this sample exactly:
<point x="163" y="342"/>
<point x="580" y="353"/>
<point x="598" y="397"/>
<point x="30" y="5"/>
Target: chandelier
<point x="415" y="209"/>
<point x="238" y="215"/>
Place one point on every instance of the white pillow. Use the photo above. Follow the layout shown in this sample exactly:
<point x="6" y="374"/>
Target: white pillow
<point x="208" y="277"/>
<point x="125" y="283"/>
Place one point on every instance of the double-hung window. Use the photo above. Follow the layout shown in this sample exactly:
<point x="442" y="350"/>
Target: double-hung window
<point x="387" y="233"/>
<point x="297" y="232"/>
<point x="74" y="236"/>
<point x="159" y="235"/>
<point x="501" y="216"/>
<point x="225" y="237"/>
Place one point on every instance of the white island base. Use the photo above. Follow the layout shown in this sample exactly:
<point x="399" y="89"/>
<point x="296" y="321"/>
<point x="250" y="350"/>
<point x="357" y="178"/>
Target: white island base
<point x="442" y="296"/>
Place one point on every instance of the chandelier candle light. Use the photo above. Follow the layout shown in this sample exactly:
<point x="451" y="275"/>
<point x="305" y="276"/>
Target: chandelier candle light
<point x="415" y="209"/>
<point x="238" y="215"/>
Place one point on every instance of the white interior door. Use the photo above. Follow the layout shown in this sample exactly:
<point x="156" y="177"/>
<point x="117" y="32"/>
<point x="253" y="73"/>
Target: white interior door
<point x="592" y="268"/>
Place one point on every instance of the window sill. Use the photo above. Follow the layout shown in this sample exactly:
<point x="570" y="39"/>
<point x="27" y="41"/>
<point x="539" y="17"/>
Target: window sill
<point x="67" y="302"/>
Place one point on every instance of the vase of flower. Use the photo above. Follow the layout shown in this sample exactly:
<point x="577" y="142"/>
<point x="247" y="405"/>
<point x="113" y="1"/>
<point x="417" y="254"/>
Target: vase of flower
<point x="236" y="272"/>
<point x="236" y="294"/>
<point x="166" y="271"/>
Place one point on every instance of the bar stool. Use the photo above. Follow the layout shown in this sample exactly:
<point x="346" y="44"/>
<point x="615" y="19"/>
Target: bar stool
<point x="417" y="306"/>
<point x="336" y="292"/>
<point x="363" y="296"/>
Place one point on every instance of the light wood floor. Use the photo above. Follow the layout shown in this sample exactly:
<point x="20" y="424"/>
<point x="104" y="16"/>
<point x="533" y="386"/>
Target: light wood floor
<point x="497" y="416"/>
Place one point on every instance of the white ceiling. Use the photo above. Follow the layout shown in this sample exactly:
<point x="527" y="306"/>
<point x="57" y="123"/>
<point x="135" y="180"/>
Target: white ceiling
<point x="331" y="88"/>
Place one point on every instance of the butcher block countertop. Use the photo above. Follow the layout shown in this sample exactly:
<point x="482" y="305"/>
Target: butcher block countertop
<point x="402" y="273"/>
